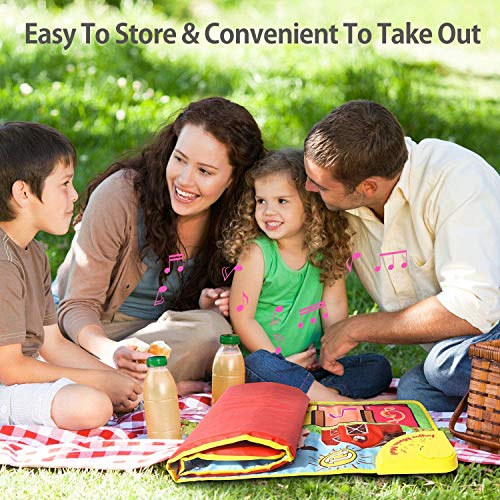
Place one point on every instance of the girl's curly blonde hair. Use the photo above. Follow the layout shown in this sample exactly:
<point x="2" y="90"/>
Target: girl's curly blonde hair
<point x="327" y="233"/>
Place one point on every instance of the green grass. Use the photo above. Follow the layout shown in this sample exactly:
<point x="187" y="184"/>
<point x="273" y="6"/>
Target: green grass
<point x="447" y="92"/>
<point x="468" y="482"/>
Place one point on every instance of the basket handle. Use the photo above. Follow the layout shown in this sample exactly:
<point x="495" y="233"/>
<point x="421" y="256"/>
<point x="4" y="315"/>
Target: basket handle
<point x="463" y="435"/>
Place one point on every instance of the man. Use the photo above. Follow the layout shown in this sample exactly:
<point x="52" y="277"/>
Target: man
<point x="427" y="224"/>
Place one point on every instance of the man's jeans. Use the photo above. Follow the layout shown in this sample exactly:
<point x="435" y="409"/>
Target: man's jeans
<point x="442" y="380"/>
<point x="364" y="376"/>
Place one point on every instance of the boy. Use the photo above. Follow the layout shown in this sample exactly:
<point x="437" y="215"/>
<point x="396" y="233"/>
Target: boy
<point x="71" y="389"/>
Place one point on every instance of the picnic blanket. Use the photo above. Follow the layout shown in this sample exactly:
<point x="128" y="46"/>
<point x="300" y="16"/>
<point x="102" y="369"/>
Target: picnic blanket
<point x="465" y="452"/>
<point x="121" y="445"/>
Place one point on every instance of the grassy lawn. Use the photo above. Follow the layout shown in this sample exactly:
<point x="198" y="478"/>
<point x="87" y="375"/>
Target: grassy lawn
<point x="469" y="482"/>
<point x="109" y="99"/>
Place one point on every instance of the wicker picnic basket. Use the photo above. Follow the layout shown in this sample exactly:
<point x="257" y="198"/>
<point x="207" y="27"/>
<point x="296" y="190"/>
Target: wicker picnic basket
<point x="483" y="398"/>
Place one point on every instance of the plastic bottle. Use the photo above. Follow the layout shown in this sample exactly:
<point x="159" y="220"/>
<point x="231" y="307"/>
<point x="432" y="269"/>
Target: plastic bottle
<point x="160" y="401"/>
<point x="228" y="368"/>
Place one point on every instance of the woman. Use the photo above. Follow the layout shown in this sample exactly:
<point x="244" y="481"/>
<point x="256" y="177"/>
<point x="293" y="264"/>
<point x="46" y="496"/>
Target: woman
<point x="139" y="218"/>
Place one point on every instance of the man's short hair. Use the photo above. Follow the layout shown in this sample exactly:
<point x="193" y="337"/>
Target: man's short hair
<point x="357" y="140"/>
<point x="29" y="152"/>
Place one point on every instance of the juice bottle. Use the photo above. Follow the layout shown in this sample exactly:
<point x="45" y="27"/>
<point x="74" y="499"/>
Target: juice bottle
<point x="160" y="401"/>
<point x="228" y="368"/>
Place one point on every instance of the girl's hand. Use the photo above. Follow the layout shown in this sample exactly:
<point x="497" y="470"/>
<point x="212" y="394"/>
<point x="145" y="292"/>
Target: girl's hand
<point x="316" y="365"/>
<point x="126" y="357"/>
<point x="216" y="299"/>
<point x="306" y="359"/>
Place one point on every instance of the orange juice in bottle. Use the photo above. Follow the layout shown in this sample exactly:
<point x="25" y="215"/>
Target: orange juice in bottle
<point x="228" y="368"/>
<point x="160" y="401"/>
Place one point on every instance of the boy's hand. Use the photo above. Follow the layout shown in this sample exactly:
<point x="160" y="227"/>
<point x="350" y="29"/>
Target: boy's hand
<point x="216" y="299"/>
<point x="306" y="359"/>
<point x="126" y="357"/>
<point x="123" y="391"/>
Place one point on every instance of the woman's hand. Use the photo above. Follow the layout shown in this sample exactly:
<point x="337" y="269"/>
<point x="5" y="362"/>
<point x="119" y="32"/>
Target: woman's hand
<point x="216" y="299"/>
<point x="306" y="359"/>
<point x="127" y="355"/>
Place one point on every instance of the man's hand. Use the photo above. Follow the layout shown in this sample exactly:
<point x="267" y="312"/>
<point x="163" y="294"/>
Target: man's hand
<point x="216" y="299"/>
<point x="126" y="357"/>
<point x="335" y="344"/>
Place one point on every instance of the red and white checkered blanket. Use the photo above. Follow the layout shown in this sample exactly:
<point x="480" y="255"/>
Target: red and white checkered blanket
<point x="123" y="445"/>
<point x="465" y="452"/>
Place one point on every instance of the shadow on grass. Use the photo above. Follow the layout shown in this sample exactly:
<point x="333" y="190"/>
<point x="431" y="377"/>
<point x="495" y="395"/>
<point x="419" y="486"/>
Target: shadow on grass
<point x="415" y="93"/>
<point x="288" y="101"/>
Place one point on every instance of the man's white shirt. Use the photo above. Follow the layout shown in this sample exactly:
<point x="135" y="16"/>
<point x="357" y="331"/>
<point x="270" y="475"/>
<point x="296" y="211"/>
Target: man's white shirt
<point x="445" y="212"/>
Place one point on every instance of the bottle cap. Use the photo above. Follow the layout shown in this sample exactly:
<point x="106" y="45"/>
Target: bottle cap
<point x="229" y="339"/>
<point x="154" y="361"/>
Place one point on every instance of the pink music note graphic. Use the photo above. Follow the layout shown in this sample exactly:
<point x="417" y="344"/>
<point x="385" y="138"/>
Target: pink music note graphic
<point x="226" y="274"/>
<point x="241" y="306"/>
<point x="343" y="410"/>
<point x="278" y="309"/>
<point x="277" y="339"/>
<point x="172" y="258"/>
<point x="310" y="309"/>
<point x="350" y="261"/>
<point x="390" y="267"/>
<point x="161" y="290"/>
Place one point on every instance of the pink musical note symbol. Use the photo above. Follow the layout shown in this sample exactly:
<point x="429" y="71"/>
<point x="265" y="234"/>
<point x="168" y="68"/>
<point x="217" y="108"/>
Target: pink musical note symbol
<point x="226" y="274"/>
<point x="278" y="309"/>
<point x="310" y="309"/>
<point x="172" y="258"/>
<point x="241" y="306"/>
<point x="350" y="261"/>
<point x="277" y="339"/>
<point x="390" y="267"/>
<point x="162" y="289"/>
<point x="343" y="410"/>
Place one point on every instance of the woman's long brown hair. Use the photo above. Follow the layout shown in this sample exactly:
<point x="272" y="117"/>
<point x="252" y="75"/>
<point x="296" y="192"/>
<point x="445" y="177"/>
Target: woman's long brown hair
<point x="233" y="126"/>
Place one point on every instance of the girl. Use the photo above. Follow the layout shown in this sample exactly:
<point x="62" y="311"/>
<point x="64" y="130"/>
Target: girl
<point x="144" y="255"/>
<point x="291" y="250"/>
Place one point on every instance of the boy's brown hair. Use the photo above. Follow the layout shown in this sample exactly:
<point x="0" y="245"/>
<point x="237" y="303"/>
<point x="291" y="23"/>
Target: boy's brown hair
<point x="29" y="152"/>
<point x="357" y="140"/>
